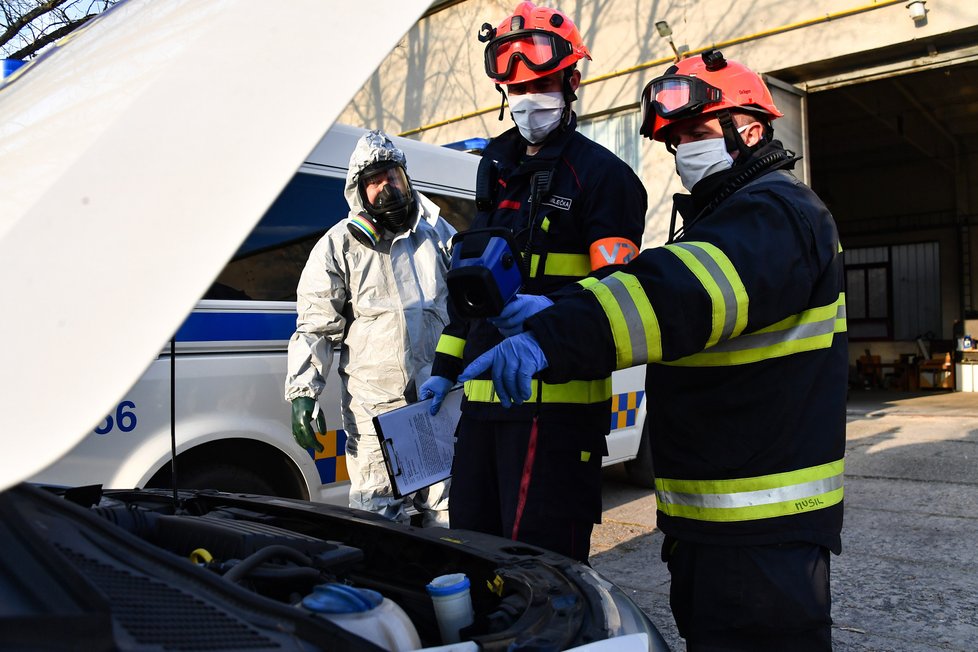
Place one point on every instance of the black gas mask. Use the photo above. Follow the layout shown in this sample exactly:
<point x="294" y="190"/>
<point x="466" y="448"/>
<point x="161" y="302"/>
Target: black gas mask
<point x="392" y="207"/>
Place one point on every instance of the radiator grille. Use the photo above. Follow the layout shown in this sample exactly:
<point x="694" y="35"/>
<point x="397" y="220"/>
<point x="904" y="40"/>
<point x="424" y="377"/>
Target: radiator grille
<point x="154" y="613"/>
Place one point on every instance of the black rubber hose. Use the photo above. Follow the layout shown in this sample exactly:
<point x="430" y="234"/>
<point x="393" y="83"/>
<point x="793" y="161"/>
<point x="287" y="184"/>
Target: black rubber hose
<point x="252" y="561"/>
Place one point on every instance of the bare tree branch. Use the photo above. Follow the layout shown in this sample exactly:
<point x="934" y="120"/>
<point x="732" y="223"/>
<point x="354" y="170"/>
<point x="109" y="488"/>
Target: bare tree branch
<point x="27" y="26"/>
<point x="22" y="21"/>
<point x="50" y="37"/>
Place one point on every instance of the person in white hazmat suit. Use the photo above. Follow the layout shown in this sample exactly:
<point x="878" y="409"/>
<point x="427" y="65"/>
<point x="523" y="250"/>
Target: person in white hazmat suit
<point x="375" y="285"/>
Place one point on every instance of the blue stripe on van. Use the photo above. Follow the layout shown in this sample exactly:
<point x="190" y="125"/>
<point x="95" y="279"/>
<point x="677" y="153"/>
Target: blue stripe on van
<point x="236" y="326"/>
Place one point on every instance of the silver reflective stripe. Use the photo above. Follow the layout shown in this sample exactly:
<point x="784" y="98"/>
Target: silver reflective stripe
<point x="633" y="318"/>
<point x="751" y="498"/>
<point x="722" y="283"/>
<point x="761" y="340"/>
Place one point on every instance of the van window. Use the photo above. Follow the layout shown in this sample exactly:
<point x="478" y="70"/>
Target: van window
<point x="457" y="211"/>
<point x="268" y="265"/>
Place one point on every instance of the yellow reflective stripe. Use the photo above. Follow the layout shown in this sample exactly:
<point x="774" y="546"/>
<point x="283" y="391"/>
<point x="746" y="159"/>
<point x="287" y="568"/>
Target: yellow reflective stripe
<point x="449" y="345"/>
<point x="757" y="483"/>
<point x="634" y="326"/>
<point x="561" y="265"/>
<point x="576" y="391"/>
<point x="811" y="330"/>
<point x="587" y="282"/>
<point x="545" y="225"/>
<point x="722" y="283"/>
<point x="567" y="265"/>
<point x="746" y="499"/>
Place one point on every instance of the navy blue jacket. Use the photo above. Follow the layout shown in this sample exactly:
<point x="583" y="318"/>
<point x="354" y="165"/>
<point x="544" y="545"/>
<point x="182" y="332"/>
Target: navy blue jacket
<point x="593" y="198"/>
<point x="743" y="320"/>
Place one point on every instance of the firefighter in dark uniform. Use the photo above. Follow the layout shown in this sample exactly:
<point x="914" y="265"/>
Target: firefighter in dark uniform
<point x="532" y="473"/>
<point x="742" y="316"/>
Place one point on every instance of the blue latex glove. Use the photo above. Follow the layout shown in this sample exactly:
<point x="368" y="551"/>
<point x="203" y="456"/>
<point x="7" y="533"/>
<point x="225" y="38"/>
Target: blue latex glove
<point x="513" y="361"/>
<point x="519" y="309"/>
<point x="435" y="388"/>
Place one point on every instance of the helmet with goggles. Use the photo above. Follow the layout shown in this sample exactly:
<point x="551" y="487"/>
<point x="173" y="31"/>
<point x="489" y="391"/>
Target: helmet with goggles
<point x="700" y="86"/>
<point x="531" y="43"/>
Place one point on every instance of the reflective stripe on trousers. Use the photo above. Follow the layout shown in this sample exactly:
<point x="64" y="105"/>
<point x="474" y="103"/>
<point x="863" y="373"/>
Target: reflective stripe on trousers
<point x="576" y="391"/>
<point x="748" y="499"/>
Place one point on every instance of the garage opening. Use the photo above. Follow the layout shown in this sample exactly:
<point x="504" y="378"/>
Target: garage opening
<point x="894" y="158"/>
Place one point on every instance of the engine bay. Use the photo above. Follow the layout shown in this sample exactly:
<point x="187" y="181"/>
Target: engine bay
<point x="248" y="559"/>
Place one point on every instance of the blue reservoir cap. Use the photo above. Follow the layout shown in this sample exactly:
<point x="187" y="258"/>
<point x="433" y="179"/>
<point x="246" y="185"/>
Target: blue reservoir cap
<point x="448" y="584"/>
<point x="341" y="599"/>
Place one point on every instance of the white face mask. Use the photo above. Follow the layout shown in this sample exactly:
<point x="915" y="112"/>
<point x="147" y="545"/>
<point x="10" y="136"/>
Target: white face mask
<point x="536" y="114"/>
<point x="700" y="159"/>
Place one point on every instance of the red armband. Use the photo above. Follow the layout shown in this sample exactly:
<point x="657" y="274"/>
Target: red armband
<point x="612" y="251"/>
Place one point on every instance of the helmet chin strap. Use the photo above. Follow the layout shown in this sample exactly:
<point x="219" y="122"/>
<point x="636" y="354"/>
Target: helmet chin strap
<point x="731" y="139"/>
<point x="502" y="101"/>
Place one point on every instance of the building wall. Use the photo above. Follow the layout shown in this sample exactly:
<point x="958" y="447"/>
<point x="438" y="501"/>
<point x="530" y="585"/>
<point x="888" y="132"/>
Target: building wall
<point x="432" y="87"/>
<point x="435" y="75"/>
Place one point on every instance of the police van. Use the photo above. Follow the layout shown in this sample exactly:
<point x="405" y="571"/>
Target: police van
<point x="220" y="380"/>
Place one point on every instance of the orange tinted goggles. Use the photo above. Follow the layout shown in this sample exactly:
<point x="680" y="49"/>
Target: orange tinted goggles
<point x="673" y="97"/>
<point x="538" y="49"/>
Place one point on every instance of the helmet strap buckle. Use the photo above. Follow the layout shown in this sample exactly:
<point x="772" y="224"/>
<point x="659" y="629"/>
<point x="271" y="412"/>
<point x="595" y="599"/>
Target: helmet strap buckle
<point x="487" y="33"/>
<point x="502" y="102"/>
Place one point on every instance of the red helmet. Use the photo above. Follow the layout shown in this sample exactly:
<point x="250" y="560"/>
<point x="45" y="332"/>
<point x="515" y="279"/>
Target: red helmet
<point x="702" y="85"/>
<point x="532" y="43"/>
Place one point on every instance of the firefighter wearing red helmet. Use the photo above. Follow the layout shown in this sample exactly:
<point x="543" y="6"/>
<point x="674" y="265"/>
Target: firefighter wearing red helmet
<point x="741" y="320"/>
<point x="533" y="472"/>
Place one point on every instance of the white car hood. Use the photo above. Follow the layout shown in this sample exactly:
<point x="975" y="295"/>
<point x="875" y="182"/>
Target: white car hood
<point x="134" y="159"/>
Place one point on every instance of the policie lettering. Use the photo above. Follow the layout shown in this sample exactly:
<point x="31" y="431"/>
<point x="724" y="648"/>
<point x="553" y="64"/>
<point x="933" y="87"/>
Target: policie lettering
<point x="125" y="419"/>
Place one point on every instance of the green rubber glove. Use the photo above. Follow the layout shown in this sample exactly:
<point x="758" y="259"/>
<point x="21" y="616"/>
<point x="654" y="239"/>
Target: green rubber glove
<point x="302" y="426"/>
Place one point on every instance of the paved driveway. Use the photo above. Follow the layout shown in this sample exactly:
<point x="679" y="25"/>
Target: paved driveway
<point x="907" y="579"/>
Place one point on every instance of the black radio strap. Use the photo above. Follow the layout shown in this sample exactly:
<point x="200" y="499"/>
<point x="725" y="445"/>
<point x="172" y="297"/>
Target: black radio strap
<point x="486" y="181"/>
<point x="539" y="187"/>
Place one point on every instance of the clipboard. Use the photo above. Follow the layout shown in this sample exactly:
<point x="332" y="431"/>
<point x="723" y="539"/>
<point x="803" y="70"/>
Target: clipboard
<point x="418" y="448"/>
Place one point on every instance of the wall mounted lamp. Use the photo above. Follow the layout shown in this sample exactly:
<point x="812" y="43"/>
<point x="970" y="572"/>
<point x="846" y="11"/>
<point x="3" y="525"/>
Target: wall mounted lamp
<point x="918" y="12"/>
<point x="666" y="32"/>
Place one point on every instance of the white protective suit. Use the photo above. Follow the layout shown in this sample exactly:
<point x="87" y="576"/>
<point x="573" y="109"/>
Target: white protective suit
<point x="385" y="306"/>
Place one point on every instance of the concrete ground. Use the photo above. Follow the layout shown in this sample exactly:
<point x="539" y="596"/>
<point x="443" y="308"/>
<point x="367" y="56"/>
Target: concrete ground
<point x="907" y="579"/>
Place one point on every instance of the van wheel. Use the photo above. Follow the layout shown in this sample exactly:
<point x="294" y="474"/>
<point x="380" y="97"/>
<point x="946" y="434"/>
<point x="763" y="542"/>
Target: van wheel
<point x="639" y="470"/>
<point x="225" y="477"/>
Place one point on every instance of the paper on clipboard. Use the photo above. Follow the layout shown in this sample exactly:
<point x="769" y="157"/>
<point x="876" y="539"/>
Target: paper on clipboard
<point x="418" y="447"/>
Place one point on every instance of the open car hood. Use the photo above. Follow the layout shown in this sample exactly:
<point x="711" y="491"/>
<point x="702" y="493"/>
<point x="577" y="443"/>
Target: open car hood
<point x="135" y="156"/>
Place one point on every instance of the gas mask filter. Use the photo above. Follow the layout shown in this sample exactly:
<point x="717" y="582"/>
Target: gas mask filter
<point x="364" y="229"/>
